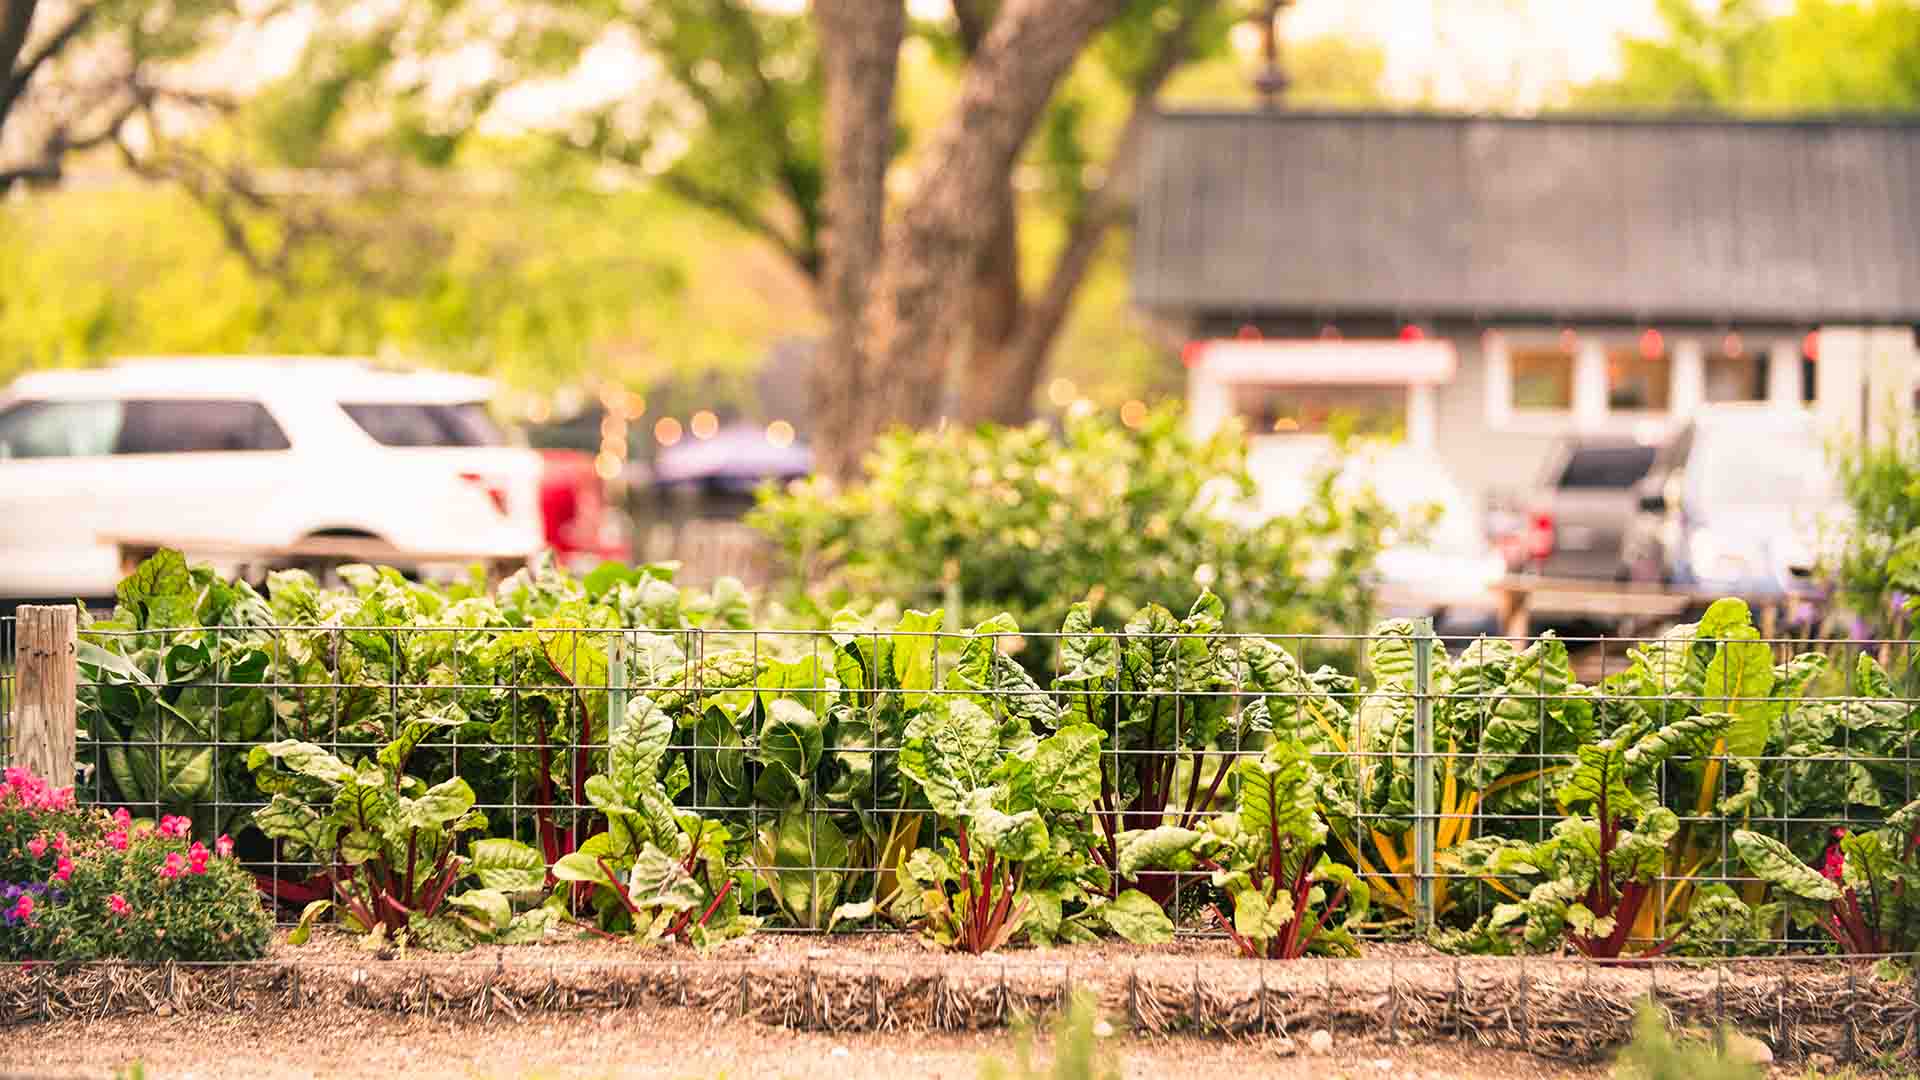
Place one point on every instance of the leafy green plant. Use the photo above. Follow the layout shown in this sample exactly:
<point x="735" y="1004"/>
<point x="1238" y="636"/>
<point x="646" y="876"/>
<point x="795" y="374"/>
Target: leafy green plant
<point x="1077" y="1054"/>
<point x="391" y="843"/>
<point x="1288" y="898"/>
<point x="1654" y="1054"/>
<point x="172" y="674"/>
<point x="1867" y="895"/>
<point x="657" y="871"/>
<point x="1587" y="884"/>
<point x="992" y="519"/>
<point x="1016" y="807"/>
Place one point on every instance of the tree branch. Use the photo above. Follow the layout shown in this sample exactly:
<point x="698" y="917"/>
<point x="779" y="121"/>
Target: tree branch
<point x="1112" y="203"/>
<point x="60" y="40"/>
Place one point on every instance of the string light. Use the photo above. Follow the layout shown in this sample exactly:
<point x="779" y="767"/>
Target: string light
<point x="1732" y="344"/>
<point x="666" y="431"/>
<point x="1413" y="332"/>
<point x="704" y="424"/>
<point x="636" y="405"/>
<point x="780" y="433"/>
<point x="607" y="465"/>
<point x="1133" y="413"/>
<point x="1652" y="345"/>
<point x="1248" y="332"/>
<point x="1329" y="332"/>
<point x="1061" y="392"/>
<point x="1810" y="345"/>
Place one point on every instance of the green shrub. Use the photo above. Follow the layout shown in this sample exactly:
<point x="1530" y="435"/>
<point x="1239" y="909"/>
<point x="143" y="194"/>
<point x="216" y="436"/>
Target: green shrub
<point x="1656" y="1055"/>
<point x="1077" y="1054"/>
<point x="1020" y="521"/>
<point x="83" y="885"/>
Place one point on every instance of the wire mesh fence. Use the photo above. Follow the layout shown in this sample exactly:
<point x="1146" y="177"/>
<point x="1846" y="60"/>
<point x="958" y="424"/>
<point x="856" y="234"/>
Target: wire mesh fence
<point x="826" y="759"/>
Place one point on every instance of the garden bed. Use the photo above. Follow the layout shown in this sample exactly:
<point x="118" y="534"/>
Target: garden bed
<point x="1564" y="1009"/>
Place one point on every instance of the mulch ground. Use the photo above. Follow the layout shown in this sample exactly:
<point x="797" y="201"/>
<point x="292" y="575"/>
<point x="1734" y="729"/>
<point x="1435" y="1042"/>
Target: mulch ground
<point x="867" y="997"/>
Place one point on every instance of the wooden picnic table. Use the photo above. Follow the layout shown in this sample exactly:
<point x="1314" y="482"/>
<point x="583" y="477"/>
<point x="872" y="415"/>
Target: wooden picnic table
<point x="1517" y="598"/>
<point x="320" y="552"/>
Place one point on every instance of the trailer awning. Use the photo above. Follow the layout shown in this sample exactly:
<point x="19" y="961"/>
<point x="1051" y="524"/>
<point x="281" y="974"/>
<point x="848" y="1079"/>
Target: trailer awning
<point x="1294" y="363"/>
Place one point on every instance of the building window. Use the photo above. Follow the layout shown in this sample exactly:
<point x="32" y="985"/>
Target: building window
<point x="1737" y="378"/>
<point x="1542" y="378"/>
<point x="1638" y="379"/>
<point x="1316" y="410"/>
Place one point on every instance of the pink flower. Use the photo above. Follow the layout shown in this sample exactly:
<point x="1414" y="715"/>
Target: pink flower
<point x="37" y="846"/>
<point x="173" y="866"/>
<point x="171" y="825"/>
<point x="1834" y="866"/>
<point x="223" y="847"/>
<point x="118" y="904"/>
<point x="60" y="843"/>
<point x="197" y="858"/>
<point x="23" y="907"/>
<point x="122" y="818"/>
<point x="117" y="840"/>
<point x="63" y="869"/>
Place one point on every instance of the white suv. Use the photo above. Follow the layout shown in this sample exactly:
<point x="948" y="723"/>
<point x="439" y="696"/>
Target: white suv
<point x="255" y="452"/>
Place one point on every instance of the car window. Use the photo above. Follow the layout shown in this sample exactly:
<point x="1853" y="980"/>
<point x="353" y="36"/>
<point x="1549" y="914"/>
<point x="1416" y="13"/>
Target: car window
<point x="465" y="424"/>
<point x="59" y="429"/>
<point x="186" y="427"/>
<point x="1606" y="466"/>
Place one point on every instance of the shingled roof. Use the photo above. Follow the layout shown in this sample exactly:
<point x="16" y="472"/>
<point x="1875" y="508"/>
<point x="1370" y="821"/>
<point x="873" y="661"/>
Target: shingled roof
<point x="1591" y="218"/>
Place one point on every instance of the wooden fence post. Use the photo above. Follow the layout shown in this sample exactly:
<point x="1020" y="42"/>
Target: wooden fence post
<point x="47" y="678"/>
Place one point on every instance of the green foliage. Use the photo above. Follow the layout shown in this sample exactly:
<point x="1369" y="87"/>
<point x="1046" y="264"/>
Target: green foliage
<point x="1654" y="1054"/>
<point x="391" y="843"/>
<point x="1020" y="521"/>
<point x="1077" y="1054"/>
<point x="1818" y="56"/>
<point x="1878" y="560"/>
<point x="173" y="672"/>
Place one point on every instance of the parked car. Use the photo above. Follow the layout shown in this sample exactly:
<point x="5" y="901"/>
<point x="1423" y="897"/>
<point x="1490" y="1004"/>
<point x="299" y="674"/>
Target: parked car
<point x="1574" y="524"/>
<point x="259" y="452"/>
<point x="1736" y="503"/>
<point x="1445" y="572"/>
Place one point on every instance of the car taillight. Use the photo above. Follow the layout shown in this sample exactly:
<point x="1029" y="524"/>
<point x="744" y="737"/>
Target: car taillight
<point x="1540" y="536"/>
<point x="494" y="491"/>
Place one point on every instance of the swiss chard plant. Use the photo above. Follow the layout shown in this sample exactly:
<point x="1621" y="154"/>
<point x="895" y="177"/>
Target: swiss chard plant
<point x="1503" y="722"/>
<point x="1268" y="856"/>
<point x="392" y="843"/>
<point x="656" y="872"/>
<point x="170" y="684"/>
<point x="1013" y="814"/>
<point x="1169" y="694"/>
<point x="1866" y="894"/>
<point x="1586" y="886"/>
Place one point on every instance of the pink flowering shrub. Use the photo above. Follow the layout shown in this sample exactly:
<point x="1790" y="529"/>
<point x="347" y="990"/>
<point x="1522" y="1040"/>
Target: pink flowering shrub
<point x="86" y="885"/>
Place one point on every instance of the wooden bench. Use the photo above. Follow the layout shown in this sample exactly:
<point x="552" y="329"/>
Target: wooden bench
<point x="319" y="552"/>
<point x="1518" y="598"/>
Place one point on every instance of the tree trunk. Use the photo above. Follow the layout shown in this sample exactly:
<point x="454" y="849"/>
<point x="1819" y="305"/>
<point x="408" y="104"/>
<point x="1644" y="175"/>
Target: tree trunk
<point x="933" y="250"/>
<point x="1004" y="369"/>
<point x="998" y="313"/>
<point x="860" y="46"/>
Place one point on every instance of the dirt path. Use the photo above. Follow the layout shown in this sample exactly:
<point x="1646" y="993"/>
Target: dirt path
<point x="667" y="1044"/>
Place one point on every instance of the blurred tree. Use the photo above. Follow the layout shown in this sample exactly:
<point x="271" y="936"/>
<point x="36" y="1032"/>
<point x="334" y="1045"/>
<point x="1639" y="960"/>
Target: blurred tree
<point x="74" y="74"/>
<point x="1822" y="55"/>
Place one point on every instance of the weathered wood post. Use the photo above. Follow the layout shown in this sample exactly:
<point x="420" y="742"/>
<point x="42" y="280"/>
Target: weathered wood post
<point x="47" y="678"/>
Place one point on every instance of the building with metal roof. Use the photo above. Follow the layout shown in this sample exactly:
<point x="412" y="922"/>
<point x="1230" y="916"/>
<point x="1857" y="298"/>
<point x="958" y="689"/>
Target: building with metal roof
<point x="1590" y="274"/>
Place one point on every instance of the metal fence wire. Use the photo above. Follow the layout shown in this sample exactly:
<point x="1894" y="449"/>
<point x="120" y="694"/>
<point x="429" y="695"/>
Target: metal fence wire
<point x="1426" y="751"/>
